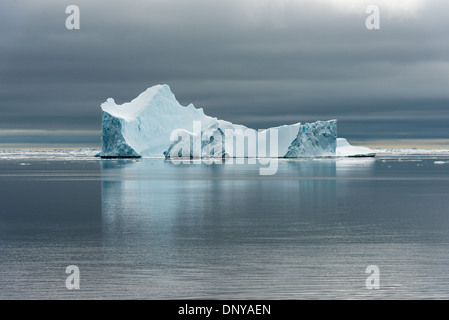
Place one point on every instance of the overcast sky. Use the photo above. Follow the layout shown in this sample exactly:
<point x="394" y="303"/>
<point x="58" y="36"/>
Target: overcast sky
<point x="256" y="62"/>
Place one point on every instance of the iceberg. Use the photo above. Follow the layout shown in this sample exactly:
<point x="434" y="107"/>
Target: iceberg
<point x="226" y="140"/>
<point x="155" y="124"/>
<point x="344" y="149"/>
<point x="318" y="139"/>
<point x="113" y="141"/>
<point x="144" y="125"/>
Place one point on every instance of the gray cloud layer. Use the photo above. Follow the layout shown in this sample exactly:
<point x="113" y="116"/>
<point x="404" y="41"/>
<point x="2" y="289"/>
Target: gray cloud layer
<point x="256" y="62"/>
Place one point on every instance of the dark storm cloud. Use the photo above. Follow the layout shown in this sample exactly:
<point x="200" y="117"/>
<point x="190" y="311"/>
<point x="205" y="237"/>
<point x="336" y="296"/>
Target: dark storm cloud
<point x="260" y="63"/>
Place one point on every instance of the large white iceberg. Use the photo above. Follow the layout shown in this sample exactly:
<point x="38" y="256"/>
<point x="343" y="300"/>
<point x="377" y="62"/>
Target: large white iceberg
<point x="154" y="124"/>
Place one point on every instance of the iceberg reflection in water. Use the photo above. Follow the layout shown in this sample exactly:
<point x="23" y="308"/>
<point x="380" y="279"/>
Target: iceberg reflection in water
<point x="217" y="230"/>
<point x="224" y="231"/>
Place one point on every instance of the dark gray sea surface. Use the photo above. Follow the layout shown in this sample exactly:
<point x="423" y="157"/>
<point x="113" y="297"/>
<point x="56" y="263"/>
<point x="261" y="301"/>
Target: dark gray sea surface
<point x="158" y="229"/>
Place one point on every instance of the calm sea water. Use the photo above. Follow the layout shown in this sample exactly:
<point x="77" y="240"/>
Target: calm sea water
<point x="152" y="229"/>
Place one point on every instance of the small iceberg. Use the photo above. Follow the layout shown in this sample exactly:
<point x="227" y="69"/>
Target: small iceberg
<point x="344" y="149"/>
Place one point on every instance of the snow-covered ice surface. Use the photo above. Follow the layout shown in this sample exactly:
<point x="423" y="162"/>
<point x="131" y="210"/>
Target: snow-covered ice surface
<point x="49" y="155"/>
<point x="411" y="151"/>
<point x="90" y="154"/>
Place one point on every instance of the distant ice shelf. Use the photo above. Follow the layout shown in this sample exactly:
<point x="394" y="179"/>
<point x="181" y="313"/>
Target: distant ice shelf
<point x="155" y="124"/>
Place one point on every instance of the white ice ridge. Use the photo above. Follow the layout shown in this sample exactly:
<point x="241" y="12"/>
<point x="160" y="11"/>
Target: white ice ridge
<point x="154" y="124"/>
